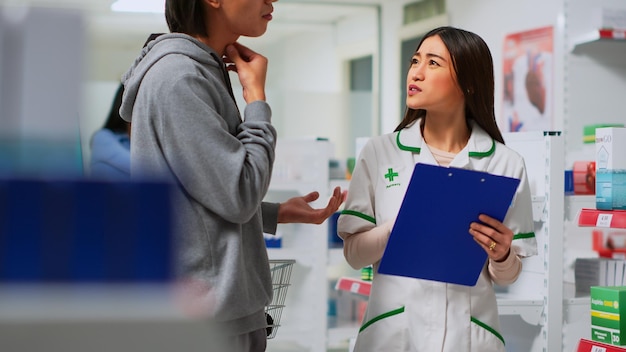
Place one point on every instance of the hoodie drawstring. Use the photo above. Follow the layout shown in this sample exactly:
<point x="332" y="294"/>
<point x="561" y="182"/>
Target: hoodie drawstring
<point x="226" y="77"/>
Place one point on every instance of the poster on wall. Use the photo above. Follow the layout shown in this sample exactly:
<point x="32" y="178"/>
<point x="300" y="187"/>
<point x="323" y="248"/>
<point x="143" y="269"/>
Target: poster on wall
<point x="528" y="73"/>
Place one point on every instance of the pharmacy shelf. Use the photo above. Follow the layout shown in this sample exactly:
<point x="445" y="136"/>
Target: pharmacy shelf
<point x="353" y="285"/>
<point x="592" y="346"/>
<point x="602" y="218"/>
<point x="590" y="52"/>
<point x="598" y="35"/>
<point x="529" y="309"/>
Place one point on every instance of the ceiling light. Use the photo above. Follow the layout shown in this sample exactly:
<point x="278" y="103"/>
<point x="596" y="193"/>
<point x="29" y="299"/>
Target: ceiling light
<point x="151" y="6"/>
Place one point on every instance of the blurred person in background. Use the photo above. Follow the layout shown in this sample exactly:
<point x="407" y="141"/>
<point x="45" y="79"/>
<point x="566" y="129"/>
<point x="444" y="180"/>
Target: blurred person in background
<point x="110" y="145"/>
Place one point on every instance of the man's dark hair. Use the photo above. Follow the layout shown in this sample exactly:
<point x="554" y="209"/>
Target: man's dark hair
<point x="185" y="16"/>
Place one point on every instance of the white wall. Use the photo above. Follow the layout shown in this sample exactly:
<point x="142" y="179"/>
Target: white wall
<point x="307" y="79"/>
<point x="303" y="85"/>
<point x="493" y="20"/>
<point x="390" y="113"/>
<point x="115" y="42"/>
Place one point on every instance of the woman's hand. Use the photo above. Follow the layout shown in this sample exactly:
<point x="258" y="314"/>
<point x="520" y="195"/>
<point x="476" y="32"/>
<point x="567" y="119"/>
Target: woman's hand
<point x="493" y="236"/>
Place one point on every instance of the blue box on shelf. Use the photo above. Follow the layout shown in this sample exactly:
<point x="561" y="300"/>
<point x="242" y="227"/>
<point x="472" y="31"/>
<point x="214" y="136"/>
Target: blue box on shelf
<point x="569" y="182"/>
<point x="273" y="241"/>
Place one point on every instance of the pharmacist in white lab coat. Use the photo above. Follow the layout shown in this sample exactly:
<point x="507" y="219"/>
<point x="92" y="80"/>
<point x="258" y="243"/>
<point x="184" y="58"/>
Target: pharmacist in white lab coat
<point x="450" y="122"/>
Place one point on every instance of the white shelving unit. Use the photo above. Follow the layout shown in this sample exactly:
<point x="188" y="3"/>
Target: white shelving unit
<point x="300" y="167"/>
<point x="594" y="70"/>
<point x="556" y="320"/>
<point x="594" y="86"/>
<point x="536" y="297"/>
<point x="596" y="36"/>
<point x="592" y="58"/>
<point x="593" y="82"/>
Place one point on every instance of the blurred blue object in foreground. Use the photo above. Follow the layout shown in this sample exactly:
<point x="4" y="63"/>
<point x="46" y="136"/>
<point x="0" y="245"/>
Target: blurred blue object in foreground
<point x="61" y="231"/>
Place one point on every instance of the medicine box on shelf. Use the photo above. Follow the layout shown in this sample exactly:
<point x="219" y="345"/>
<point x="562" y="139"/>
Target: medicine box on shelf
<point x="608" y="314"/>
<point x="610" y="168"/>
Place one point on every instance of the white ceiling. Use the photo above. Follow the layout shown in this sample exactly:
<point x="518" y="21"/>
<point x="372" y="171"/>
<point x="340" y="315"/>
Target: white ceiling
<point x="113" y="39"/>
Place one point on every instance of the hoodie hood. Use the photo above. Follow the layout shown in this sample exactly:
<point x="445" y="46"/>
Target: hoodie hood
<point x="164" y="45"/>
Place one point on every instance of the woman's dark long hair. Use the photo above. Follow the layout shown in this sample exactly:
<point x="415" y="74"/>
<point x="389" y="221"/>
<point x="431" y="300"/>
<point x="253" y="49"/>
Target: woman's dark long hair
<point x="115" y="122"/>
<point x="473" y="64"/>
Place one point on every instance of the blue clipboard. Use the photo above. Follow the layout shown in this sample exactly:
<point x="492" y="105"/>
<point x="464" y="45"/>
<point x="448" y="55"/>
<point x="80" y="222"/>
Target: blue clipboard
<point x="430" y="238"/>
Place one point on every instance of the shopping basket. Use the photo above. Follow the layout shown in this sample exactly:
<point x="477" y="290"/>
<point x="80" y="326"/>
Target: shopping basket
<point x="281" y="274"/>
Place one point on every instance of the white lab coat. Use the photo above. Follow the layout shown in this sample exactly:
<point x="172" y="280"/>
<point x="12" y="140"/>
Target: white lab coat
<point x="406" y="314"/>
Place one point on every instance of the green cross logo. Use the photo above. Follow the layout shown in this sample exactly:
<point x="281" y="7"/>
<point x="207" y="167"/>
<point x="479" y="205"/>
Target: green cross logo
<point x="390" y="174"/>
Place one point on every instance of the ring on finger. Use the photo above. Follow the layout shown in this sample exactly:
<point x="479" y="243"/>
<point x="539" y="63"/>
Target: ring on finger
<point x="492" y="246"/>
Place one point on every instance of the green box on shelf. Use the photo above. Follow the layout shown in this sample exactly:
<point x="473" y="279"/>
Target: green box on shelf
<point x="608" y="314"/>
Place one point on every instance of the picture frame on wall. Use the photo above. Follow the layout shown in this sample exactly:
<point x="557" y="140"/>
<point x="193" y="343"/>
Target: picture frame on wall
<point x="528" y="80"/>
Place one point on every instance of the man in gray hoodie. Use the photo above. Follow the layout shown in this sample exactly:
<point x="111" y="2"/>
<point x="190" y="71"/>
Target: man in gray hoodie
<point x="187" y="129"/>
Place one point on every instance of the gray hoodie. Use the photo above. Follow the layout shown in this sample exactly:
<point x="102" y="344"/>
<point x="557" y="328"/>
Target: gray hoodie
<point x="186" y="128"/>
